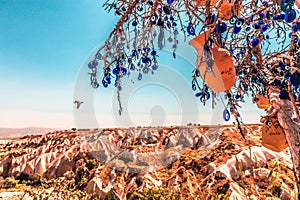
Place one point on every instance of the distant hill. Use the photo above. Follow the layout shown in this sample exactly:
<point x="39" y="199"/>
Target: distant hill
<point x="19" y="132"/>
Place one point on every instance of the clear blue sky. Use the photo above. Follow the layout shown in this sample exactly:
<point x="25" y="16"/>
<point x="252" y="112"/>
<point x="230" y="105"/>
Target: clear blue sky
<point x="43" y="47"/>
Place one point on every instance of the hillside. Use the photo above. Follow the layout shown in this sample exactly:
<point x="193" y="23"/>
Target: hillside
<point x="174" y="162"/>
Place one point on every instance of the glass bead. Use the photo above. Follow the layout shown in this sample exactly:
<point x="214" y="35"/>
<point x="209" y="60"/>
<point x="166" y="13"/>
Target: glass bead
<point x="233" y="20"/>
<point x="264" y="28"/>
<point x="236" y="29"/>
<point x="221" y="28"/>
<point x="191" y="30"/>
<point x="198" y="94"/>
<point x="290" y="16"/>
<point x="134" y="23"/>
<point x="154" y="67"/>
<point x="194" y="87"/>
<point x="140" y="76"/>
<point x="226" y="115"/>
<point x="239" y="22"/>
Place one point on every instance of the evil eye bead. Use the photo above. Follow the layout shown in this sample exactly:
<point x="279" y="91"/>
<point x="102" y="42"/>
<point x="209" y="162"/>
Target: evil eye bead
<point x="194" y="87"/>
<point x="95" y="85"/>
<point x="198" y="94"/>
<point x="221" y="28"/>
<point x="239" y="22"/>
<point x="233" y="20"/>
<point x="257" y="26"/>
<point x="190" y="29"/>
<point x="134" y="23"/>
<point x="154" y="67"/>
<point x="226" y="115"/>
<point x="153" y="18"/>
<point x="170" y="1"/>
<point x="290" y="16"/>
<point x="297" y="90"/>
<point x="264" y="28"/>
<point x="236" y="29"/>
<point x="153" y="53"/>
<point x="145" y="70"/>
<point x="140" y="76"/>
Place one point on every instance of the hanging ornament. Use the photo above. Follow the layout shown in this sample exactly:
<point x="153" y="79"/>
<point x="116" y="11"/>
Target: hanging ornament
<point x="262" y="102"/>
<point x="218" y="72"/>
<point x="226" y="115"/>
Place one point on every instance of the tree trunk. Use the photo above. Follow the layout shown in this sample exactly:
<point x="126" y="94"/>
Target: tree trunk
<point x="288" y="117"/>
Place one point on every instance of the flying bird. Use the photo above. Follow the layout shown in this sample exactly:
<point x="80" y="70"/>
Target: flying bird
<point x="78" y="103"/>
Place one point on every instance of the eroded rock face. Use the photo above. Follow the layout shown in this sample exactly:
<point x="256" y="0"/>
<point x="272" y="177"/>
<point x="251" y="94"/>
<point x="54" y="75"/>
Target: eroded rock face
<point x="197" y="162"/>
<point x="50" y="155"/>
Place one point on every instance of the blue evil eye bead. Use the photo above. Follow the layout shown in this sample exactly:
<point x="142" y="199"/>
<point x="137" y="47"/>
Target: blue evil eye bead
<point x="107" y="78"/>
<point x="248" y="28"/>
<point x="233" y="20"/>
<point x="94" y="63"/>
<point x="257" y="26"/>
<point x="226" y="115"/>
<point x="295" y="79"/>
<point x="104" y="83"/>
<point x="118" y="12"/>
<point x="251" y="18"/>
<point x="261" y="15"/>
<point x="154" y="67"/>
<point x="276" y="17"/>
<point x="295" y="28"/>
<point x="194" y="87"/>
<point x="236" y="29"/>
<point x="296" y="39"/>
<point x="198" y="94"/>
<point x="124" y="71"/>
<point x="140" y="76"/>
<point x="286" y="5"/>
<point x="268" y="15"/>
<point x="290" y="16"/>
<point x="170" y="39"/>
<point x="134" y="53"/>
<point x="146" y="59"/>
<point x="190" y="29"/>
<point x="145" y="70"/>
<point x="221" y="28"/>
<point x="95" y="85"/>
<point x="153" y="53"/>
<point x="139" y="8"/>
<point x="99" y="56"/>
<point x="134" y="23"/>
<point x="264" y="28"/>
<point x="265" y="3"/>
<point x="154" y="18"/>
<point x="283" y="94"/>
<point x="204" y="97"/>
<point x="132" y="67"/>
<point x="297" y="90"/>
<point x="239" y="22"/>
<point x="167" y="10"/>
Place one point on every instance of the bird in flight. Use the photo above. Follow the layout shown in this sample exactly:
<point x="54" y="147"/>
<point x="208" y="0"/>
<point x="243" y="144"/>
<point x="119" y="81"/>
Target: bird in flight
<point x="78" y="103"/>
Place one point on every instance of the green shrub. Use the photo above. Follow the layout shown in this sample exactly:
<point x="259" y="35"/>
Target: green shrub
<point x="23" y="177"/>
<point x="92" y="163"/>
<point x="219" y="197"/>
<point x="10" y="183"/>
<point x="155" y="194"/>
